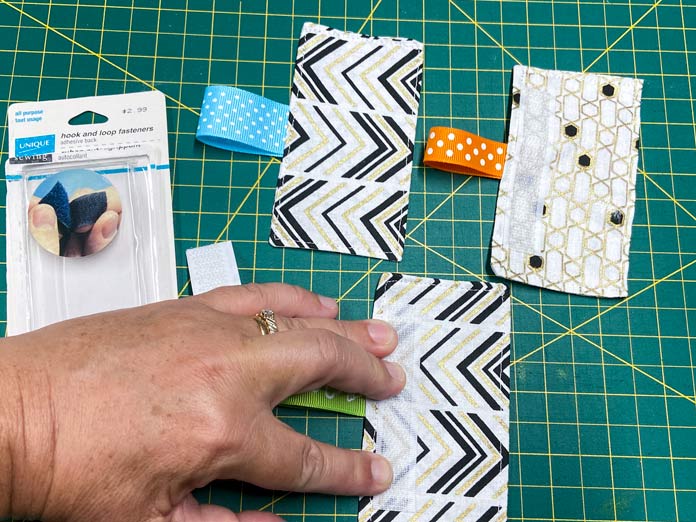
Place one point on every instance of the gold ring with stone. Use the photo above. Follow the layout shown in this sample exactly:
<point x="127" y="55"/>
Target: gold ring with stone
<point x="266" y="322"/>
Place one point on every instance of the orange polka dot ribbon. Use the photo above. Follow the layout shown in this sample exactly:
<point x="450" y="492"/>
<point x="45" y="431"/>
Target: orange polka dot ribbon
<point x="456" y="150"/>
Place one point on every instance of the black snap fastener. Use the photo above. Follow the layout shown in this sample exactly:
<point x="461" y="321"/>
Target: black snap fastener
<point x="584" y="160"/>
<point x="536" y="262"/>
<point x="571" y="131"/>
<point x="608" y="89"/>
<point x="616" y="217"/>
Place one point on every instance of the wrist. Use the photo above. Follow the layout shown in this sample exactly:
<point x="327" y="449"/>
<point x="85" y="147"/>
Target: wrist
<point x="27" y="432"/>
<point x="8" y="430"/>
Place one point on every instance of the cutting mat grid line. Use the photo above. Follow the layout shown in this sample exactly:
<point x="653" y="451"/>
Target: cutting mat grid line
<point x="603" y="404"/>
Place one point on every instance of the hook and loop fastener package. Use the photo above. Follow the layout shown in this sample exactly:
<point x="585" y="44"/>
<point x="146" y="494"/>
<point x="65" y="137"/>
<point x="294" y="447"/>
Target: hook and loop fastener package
<point x="89" y="211"/>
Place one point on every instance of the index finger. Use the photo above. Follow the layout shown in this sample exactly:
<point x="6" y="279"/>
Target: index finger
<point x="303" y="360"/>
<point x="287" y="300"/>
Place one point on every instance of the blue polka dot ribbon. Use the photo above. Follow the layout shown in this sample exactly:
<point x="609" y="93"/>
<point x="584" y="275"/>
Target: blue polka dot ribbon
<point x="237" y="120"/>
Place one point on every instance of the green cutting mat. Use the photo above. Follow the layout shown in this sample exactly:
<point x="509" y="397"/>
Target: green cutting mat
<point x="603" y="410"/>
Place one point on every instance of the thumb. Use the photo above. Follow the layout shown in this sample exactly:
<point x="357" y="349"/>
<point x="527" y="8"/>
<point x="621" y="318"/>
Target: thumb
<point x="102" y="232"/>
<point x="43" y="225"/>
<point x="189" y="510"/>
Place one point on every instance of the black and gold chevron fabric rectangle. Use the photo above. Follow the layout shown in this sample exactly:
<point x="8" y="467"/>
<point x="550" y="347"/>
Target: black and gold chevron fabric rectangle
<point x="447" y="433"/>
<point x="345" y="177"/>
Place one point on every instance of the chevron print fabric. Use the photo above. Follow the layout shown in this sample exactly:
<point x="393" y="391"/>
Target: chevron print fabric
<point x="345" y="177"/>
<point x="447" y="433"/>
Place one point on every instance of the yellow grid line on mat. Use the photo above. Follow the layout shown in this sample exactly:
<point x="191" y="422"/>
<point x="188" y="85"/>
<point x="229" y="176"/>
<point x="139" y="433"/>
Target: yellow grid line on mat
<point x="667" y="194"/>
<point x="604" y="351"/>
<point x="370" y="16"/>
<point x="659" y="340"/>
<point x="627" y="31"/>
<point x="424" y="220"/>
<point x="93" y="53"/>
<point x="483" y="30"/>
<point x="450" y="198"/>
<point x="569" y="331"/>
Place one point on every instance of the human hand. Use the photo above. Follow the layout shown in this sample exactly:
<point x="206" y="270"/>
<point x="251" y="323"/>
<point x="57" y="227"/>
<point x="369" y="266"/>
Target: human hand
<point x="86" y="239"/>
<point x="125" y="413"/>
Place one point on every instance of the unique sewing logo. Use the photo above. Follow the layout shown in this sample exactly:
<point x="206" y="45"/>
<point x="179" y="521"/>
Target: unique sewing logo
<point x="74" y="213"/>
<point x="35" y="145"/>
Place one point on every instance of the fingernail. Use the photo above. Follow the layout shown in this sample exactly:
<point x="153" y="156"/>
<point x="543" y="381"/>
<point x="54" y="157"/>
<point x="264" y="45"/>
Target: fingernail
<point x="396" y="371"/>
<point x="328" y="303"/>
<point x="381" y="472"/>
<point x="44" y="218"/>
<point x="381" y="332"/>
<point x="110" y="226"/>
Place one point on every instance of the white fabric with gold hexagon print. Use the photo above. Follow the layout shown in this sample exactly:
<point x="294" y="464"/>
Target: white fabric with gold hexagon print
<point x="567" y="196"/>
